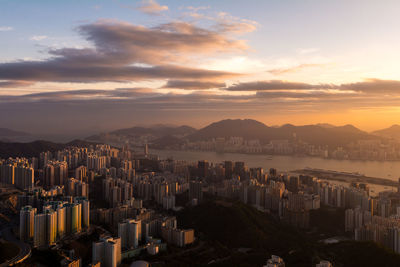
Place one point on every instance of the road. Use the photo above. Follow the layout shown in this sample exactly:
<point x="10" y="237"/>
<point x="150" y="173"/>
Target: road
<point x="24" y="249"/>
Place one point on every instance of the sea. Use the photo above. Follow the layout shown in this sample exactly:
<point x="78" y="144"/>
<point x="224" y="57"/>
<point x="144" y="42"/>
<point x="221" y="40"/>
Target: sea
<point x="379" y="169"/>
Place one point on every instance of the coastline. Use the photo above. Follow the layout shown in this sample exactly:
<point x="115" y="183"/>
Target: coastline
<point x="346" y="177"/>
<point x="272" y="155"/>
<point x="377" y="169"/>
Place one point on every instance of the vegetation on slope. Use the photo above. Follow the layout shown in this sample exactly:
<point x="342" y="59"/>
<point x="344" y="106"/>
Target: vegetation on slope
<point x="33" y="149"/>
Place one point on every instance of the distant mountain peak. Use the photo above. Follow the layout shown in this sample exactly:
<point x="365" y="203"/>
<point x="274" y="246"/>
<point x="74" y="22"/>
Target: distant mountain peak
<point x="326" y="125"/>
<point x="287" y="125"/>
<point x="249" y="129"/>
<point x="392" y="132"/>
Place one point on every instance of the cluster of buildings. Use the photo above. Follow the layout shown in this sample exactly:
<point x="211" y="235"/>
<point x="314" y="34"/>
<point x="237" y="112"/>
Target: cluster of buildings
<point x="54" y="203"/>
<point x="44" y="226"/>
<point x="373" y="149"/>
<point x="132" y="196"/>
<point x="378" y="220"/>
<point x="143" y="232"/>
<point x="18" y="172"/>
<point x="290" y="197"/>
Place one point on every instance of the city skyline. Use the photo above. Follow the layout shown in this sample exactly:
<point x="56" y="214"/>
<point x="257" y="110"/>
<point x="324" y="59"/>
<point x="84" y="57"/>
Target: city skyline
<point x="199" y="133"/>
<point x="112" y="64"/>
<point x="126" y="206"/>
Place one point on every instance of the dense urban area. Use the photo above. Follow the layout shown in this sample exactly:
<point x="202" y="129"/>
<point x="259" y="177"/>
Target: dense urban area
<point x="97" y="205"/>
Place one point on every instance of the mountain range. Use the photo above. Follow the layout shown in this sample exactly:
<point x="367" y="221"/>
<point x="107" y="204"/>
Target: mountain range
<point x="392" y="132"/>
<point x="252" y="129"/>
<point x="318" y="134"/>
<point x="33" y="149"/>
<point x="167" y="136"/>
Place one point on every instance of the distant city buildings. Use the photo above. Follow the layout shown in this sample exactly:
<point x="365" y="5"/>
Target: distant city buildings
<point x="17" y="172"/>
<point x="373" y="149"/>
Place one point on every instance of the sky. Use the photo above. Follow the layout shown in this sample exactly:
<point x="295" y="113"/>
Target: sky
<point x="82" y="67"/>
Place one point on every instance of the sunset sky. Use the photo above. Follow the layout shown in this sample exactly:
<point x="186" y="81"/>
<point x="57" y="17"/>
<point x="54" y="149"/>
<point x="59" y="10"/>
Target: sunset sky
<point x="89" y="66"/>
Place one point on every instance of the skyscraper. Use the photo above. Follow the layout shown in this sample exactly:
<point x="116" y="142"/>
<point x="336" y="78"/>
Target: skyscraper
<point x="27" y="223"/>
<point x="107" y="251"/>
<point x="73" y="218"/>
<point x="228" y="169"/>
<point x="294" y="184"/>
<point x="240" y="169"/>
<point x="128" y="231"/>
<point x="48" y="176"/>
<point x="196" y="190"/>
<point x="85" y="203"/>
<point x="45" y="229"/>
<point x="80" y="173"/>
<point x="202" y="167"/>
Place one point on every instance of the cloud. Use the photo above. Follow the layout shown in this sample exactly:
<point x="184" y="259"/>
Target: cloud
<point x="236" y="27"/>
<point x="294" y="68"/>
<point x="310" y="94"/>
<point x="55" y="71"/>
<point x="306" y="51"/>
<point x="151" y="97"/>
<point x="224" y="22"/>
<point x="122" y="49"/>
<point x="231" y="24"/>
<point x="151" y="7"/>
<point x="192" y="85"/>
<point x="38" y="37"/>
<point x="86" y="109"/>
<point x="6" y="28"/>
<point x="276" y="85"/>
<point x="14" y="84"/>
<point x="166" y="43"/>
<point x="82" y="95"/>
<point x="368" y="86"/>
<point x="374" y="86"/>
<point x="196" y="8"/>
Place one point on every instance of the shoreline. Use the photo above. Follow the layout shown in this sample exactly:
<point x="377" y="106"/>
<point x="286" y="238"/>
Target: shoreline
<point x="283" y="163"/>
<point x="272" y="155"/>
<point x="347" y="177"/>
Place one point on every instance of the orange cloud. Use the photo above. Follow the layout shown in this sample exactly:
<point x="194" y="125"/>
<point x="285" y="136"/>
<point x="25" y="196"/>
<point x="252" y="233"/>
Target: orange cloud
<point x="294" y="68"/>
<point x="151" y="7"/>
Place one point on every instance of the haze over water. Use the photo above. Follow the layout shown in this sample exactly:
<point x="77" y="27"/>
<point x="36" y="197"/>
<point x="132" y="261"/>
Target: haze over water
<point x="388" y="169"/>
